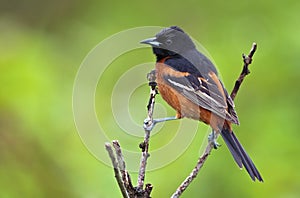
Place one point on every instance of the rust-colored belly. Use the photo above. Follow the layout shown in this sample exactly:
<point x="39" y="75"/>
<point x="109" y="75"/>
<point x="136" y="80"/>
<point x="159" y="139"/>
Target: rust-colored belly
<point x="183" y="106"/>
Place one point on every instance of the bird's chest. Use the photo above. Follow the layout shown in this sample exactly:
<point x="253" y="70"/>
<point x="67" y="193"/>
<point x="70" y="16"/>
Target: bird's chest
<point x="181" y="104"/>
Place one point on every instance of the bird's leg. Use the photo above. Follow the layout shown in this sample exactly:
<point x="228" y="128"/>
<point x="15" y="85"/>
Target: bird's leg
<point x="212" y="139"/>
<point x="149" y="124"/>
<point x="158" y="120"/>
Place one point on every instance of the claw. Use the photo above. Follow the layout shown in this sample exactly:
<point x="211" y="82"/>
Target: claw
<point x="148" y="124"/>
<point x="216" y="144"/>
<point x="212" y="140"/>
<point x="146" y="121"/>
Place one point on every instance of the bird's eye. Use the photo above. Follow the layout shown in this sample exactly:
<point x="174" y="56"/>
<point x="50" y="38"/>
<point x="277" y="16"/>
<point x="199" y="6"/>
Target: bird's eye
<point x="169" y="42"/>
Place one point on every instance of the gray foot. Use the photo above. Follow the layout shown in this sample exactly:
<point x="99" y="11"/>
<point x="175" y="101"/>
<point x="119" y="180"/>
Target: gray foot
<point x="212" y="139"/>
<point x="149" y="124"/>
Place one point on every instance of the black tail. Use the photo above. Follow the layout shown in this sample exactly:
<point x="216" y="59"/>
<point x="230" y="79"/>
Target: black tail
<point x="239" y="154"/>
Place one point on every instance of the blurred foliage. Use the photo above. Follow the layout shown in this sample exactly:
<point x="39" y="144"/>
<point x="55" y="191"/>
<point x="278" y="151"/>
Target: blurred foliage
<point x="42" y="44"/>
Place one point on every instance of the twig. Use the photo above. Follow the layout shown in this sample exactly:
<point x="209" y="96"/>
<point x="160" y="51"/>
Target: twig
<point x="116" y="170"/>
<point x="194" y="172"/>
<point x="148" y="122"/>
<point x="122" y="167"/>
<point x="247" y="61"/>
<point x="245" y="71"/>
<point x="121" y="174"/>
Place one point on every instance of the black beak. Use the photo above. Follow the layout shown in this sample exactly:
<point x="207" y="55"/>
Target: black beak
<point x="151" y="41"/>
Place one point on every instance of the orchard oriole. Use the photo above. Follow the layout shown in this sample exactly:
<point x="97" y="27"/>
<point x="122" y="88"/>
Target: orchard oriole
<point x="188" y="81"/>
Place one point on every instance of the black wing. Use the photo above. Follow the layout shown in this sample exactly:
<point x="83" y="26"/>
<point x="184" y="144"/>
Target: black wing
<point x="201" y="89"/>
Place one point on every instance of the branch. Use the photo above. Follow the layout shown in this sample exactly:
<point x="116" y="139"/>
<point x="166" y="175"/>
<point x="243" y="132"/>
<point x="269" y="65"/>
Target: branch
<point x="147" y="123"/>
<point x="121" y="174"/>
<point x="247" y="61"/>
<point x="194" y="172"/>
<point x="122" y="167"/>
<point x="116" y="169"/>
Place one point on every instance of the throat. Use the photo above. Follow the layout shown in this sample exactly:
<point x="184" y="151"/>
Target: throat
<point x="161" y="53"/>
<point x="160" y="58"/>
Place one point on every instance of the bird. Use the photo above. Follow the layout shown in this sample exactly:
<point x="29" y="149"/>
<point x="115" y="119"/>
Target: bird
<point x="188" y="81"/>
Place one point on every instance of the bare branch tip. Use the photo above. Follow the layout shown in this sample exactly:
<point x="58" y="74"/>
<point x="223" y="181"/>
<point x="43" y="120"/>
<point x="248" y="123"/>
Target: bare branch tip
<point x="107" y="145"/>
<point x="253" y="50"/>
<point x="116" y="143"/>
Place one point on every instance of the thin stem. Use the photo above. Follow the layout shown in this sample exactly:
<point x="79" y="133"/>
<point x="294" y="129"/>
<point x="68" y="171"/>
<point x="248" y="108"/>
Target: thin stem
<point x="116" y="170"/>
<point x="149" y="121"/>
<point x="122" y="167"/>
<point x="247" y="61"/>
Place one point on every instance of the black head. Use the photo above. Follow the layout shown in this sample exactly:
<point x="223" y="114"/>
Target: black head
<point x="170" y="41"/>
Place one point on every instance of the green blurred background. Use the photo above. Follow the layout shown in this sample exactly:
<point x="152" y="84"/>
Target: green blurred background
<point x="42" y="44"/>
